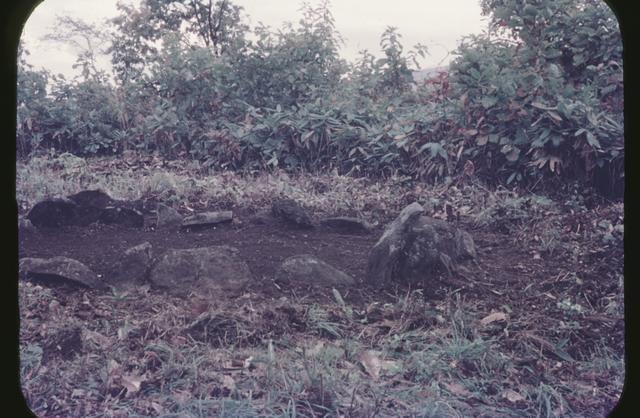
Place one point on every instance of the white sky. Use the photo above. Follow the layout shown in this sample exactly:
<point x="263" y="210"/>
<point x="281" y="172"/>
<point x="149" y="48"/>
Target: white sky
<point x="438" y="24"/>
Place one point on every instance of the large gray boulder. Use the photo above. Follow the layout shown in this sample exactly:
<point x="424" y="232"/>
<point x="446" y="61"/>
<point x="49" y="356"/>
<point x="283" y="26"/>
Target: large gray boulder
<point x="434" y="245"/>
<point x="290" y="212"/>
<point x="385" y="254"/>
<point x="208" y="270"/>
<point x="307" y="269"/>
<point x="59" y="269"/>
<point x="207" y="219"/>
<point x="133" y="267"/>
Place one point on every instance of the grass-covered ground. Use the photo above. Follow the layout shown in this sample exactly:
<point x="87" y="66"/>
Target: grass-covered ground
<point x="534" y="328"/>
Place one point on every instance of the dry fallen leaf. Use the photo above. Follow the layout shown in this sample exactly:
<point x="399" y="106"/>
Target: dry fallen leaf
<point x="316" y="349"/>
<point x="371" y="363"/>
<point x="132" y="383"/>
<point x="228" y="382"/>
<point x="457" y="389"/>
<point x="512" y="396"/>
<point x="493" y="317"/>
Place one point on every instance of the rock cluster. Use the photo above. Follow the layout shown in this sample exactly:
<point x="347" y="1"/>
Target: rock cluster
<point x="412" y="247"/>
<point x="84" y="208"/>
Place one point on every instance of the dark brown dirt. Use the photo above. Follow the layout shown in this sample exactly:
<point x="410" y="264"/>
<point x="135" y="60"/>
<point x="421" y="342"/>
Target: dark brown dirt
<point x="263" y="246"/>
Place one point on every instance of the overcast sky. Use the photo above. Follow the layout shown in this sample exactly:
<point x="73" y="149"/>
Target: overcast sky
<point x="438" y="24"/>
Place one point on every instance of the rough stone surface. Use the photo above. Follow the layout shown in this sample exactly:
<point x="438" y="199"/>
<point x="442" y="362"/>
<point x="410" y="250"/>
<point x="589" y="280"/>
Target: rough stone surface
<point x="434" y="245"/>
<point x="262" y="217"/>
<point x="90" y="204"/>
<point x="207" y="219"/>
<point x="289" y="211"/>
<point x="95" y="198"/>
<point x="122" y="216"/>
<point x="54" y="212"/>
<point x="207" y="270"/>
<point x="167" y="217"/>
<point x="385" y="254"/>
<point x="347" y="224"/>
<point x="307" y="269"/>
<point x="59" y="269"/>
<point x="134" y="266"/>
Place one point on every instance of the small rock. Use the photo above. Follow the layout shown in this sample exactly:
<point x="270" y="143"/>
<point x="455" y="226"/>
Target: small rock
<point x="54" y="212"/>
<point x="167" y="217"/>
<point x="122" y="216"/>
<point x="57" y="269"/>
<point x="291" y="212"/>
<point x="347" y="224"/>
<point x="307" y="269"/>
<point x="206" y="219"/>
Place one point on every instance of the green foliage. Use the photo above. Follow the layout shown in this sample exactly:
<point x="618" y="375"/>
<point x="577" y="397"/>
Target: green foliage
<point x="545" y="99"/>
<point x="536" y="100"/>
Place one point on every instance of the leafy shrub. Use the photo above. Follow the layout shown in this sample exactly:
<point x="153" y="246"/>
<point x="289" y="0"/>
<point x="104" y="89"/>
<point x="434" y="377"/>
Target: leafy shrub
<point x="543" y="100"/>
<point x="535" y="101"/>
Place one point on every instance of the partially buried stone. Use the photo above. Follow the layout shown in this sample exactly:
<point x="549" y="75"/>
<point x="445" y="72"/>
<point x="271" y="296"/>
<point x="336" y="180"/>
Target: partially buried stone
<point x="54" y="212"/>
<point x="205" y="271"/>
<point x="133" y="268"/>
<point x="122" y="216"/>
<point x="291" y="212"/>
<point x="307" y="269"/>
<point x="59" y="269"/>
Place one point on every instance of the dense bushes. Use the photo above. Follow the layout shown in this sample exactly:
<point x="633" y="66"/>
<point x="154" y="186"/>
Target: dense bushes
<point x="537" y="99"/>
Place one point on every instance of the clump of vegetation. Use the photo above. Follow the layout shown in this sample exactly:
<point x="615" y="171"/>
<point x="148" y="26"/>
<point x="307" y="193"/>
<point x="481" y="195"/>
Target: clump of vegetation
<point x="537" y="100"/>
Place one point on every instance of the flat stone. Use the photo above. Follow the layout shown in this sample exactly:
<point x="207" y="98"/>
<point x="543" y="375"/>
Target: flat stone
<point x="56" y="269"/>
<point x="207" y="270"/>
<point x="207" y="219"/>
<point x="307" y="269"/>
<point x="385" y="254"/>
<point x="347" y="224"/>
